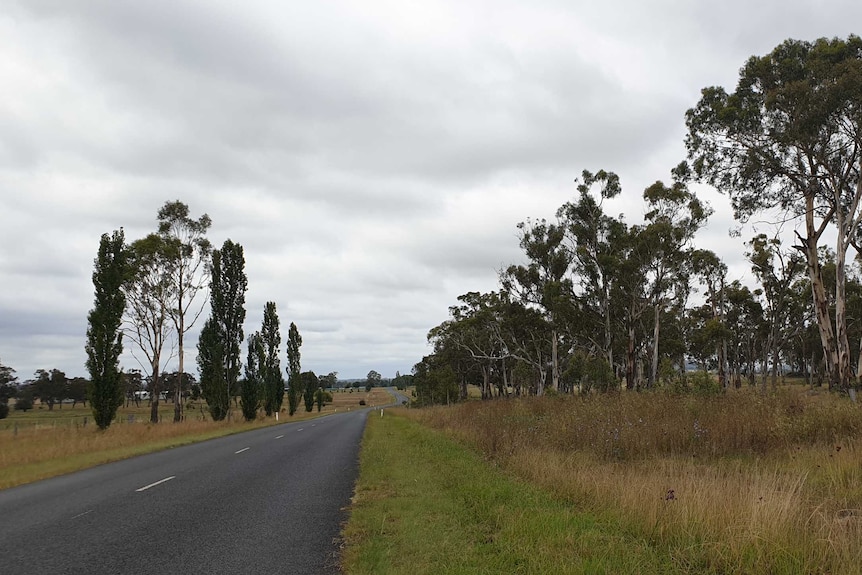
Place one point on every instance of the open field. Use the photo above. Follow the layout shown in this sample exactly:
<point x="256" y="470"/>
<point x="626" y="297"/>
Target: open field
<point x="741" y="482"/>
<point x="42" y="443"/>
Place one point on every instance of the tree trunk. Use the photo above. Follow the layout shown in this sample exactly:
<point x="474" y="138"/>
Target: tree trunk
<point x="818" y="292"/>
<point x="653" y="372"/>
<point x="555" y="367"/>
<point x="154" y="393"/>
<point x="630" y="358"/>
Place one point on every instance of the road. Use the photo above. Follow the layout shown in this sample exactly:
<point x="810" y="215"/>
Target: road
<point x="266" y="501"/>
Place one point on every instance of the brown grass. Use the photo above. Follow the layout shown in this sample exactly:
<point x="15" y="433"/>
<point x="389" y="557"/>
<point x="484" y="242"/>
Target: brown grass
<point x="740" y="482"/>
<point x="43" y="444"/>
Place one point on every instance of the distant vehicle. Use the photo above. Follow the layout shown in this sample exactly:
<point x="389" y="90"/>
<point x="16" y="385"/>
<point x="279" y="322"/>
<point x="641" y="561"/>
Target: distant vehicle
<point x="144" y="395"/>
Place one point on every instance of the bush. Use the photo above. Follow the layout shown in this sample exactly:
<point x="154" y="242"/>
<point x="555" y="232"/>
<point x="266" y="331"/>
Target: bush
<point x="24" y="404"/>
<point x="702" y="383"/>
<point x="361" y="402"/>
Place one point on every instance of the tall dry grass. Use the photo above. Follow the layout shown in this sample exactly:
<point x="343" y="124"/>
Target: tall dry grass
<point x="741" y="482"/>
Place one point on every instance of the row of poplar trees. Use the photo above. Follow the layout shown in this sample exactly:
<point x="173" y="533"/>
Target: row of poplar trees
<point x="153" y="290"/>
<point x="600" y="302"/>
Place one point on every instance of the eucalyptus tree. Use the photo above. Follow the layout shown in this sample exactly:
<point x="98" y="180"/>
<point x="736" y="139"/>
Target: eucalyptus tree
<point x="789" y="139"/>
<point x="744" y="318"/>
<point x="674" y="215"/>
<point x="543" y="282"/>
<point x="712" y="273"/>
<point x="189" y="250"/>
<point x="526" y="331"/>
<point x="475" y="330"/>
<point x="149" y="292"/>
<point x="104" y="334"/>
<point x="270" y="366"/>
<point x="593" y="239"/>
<point x="221" y="337"/>
<point x="777" y="271"/>
<point x="294" y="366"/>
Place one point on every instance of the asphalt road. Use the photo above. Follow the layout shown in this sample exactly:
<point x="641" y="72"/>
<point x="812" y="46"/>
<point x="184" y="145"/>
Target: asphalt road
<point x="266" y="501"/>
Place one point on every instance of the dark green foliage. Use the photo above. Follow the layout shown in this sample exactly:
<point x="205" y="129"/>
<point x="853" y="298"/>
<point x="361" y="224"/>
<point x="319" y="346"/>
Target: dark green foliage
<point x="294" y="382"/>
<point x="104" y="338"/>
<point x="251" y="386"/>
<point x="214" y="386"/>
<point x="310" y="385"/>
<point x="221" y="337"/>
<point x="321" y="398"/>
<point x="24" y="402"/>
<point x="8" y="388"/>
<point x="49" y="387"/>
<point x="789" y="140"/>
<point x="270" y="366"/>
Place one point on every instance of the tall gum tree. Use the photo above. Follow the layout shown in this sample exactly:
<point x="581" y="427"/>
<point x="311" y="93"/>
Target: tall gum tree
<point x="593" y="240"/>
<point x="189" y="250"/>
<point x="789" y="139"/>
<point x="148" y="290"/>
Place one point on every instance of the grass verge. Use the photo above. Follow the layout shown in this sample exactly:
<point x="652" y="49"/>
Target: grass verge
<point x="424" y="504"/>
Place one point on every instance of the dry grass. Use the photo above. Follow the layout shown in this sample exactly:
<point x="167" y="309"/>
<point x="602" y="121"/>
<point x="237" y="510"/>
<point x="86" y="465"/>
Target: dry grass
<point x="44" y="444"/>
<point x="743" y="482"/>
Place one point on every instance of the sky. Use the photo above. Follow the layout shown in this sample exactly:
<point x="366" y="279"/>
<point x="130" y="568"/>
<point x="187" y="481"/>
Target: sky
<point x="373" y="158"/>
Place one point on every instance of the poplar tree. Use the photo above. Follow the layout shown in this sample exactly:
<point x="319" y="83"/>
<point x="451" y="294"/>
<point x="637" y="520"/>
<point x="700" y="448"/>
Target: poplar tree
<point x="104" y="337"/>
<point x="221" y="338"/>
<point x="250" y="389"/>
<point x="270" y="366"/>
<point x="294" y="381"/>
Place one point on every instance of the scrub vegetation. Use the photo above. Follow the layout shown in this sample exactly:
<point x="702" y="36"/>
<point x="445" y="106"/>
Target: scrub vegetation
<point x="739" y="482"/>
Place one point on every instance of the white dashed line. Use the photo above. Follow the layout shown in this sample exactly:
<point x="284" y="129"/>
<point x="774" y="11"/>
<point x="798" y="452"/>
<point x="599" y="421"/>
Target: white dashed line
<point x="300" y="429"/>
<point x="279" y="436"/>
<point x="82" y="514"/>
<point x="159" y="482"/>
<point x="241" y="450"/>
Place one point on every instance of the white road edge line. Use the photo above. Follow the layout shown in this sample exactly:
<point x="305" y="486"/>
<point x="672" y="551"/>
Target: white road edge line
<point x="82" y="514"/>
<point x="241" y="450"/>
<point x="279" y="436"/>
<point x="159" y="482"/>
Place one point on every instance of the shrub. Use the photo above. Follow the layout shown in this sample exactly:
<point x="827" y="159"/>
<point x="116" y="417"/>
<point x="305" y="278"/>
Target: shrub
<point x="361" y="402"/>
<point x="24" y="404"/>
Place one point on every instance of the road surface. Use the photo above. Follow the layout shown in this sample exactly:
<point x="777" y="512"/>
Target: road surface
<point x="266" y="501"/>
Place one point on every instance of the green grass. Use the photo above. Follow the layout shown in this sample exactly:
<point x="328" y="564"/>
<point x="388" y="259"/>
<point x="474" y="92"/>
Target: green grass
<point x="424" y="504"/>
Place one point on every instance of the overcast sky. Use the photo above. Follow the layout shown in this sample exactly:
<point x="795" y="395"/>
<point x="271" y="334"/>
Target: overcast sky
<point x="373" y="158"/>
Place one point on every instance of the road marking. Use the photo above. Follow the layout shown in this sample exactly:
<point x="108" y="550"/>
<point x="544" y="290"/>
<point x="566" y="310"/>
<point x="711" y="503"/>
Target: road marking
<point x="241" y="450"/>
<point x="159" y="482"/>
<point x="300" y="429"/>
<point x="279" y="436"/>
<point x="82" y="514"/>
